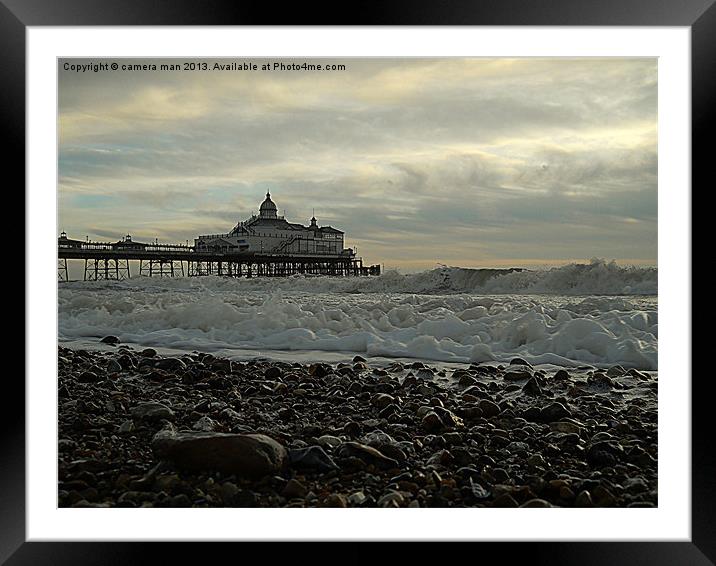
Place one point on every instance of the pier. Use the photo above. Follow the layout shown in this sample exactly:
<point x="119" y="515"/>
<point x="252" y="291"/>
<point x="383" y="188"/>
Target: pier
<point x="266" y="245"/>
<point x="111" y="261"/>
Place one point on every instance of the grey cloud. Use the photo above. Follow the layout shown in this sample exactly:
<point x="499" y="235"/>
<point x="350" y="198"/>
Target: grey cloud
<point x="410" y="155"/>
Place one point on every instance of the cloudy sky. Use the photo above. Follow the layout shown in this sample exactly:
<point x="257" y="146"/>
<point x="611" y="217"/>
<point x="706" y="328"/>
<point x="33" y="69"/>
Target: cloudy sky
<point x="470" y="162"/>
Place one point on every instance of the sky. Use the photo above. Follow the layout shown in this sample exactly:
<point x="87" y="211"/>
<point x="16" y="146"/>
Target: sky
<point x="467" y="162"/>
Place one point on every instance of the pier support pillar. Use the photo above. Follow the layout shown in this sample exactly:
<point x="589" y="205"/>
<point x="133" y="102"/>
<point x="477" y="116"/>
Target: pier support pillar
<point x="106" y="269"/>
<point x="161" y="268"/>
<point x="62" y="274"/>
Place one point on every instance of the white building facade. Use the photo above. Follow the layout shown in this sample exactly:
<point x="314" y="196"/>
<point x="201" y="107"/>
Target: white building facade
<point x="271" y="234"/>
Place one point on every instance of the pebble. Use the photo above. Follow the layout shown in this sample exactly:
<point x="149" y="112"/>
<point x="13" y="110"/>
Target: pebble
<point x="126" y="427"/>
<point x="205" y="424"/>
<point x="532" y="387"/>
<point x="335" y="500"/>
<point x="489" y="409"/>
<point x="467" y="380"/>
<point x="312" y="457"/>
<point x="357" y="499"/>
<point x="229" y="491"/>
<point x="88" y="377"/>
<point x="603" y="497"/>
<point x="432" y="422"/>
<point x="537" y="461"/>
<point x="391" y="499"/>
<point x="294" y="488"/>
<point x="516" y="447"/>
<point x="273" y="372"/>
<point x="449" y="419"/>
<point x="425" y="390"/>
<point x="329" y="441"/>
<point x="583" y="499"/>
<point x="505" y="500"/>
<point x="382" y="400"/>
<point x="500" y="475"/>
<point x="565" y="427"/>
<point x="635" y="485"/>
<point x="477" y="491"/>
<point x="352" y="429"/>
<point x="318" y="370"/>
<point x="350" y="435"/>
<point x="170" y="364"/>
<point x="554" y="412"/>
<point x="561" y="375"/>
<point x="366" y="453"/>
<point x="517" y="374"/>
<point x="604" y="453"/>
<point x="615" y="371"/>
<point x="152" y="411"/>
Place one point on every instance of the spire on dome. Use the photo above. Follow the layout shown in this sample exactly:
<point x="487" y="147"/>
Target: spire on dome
<point x="268" y="208"/>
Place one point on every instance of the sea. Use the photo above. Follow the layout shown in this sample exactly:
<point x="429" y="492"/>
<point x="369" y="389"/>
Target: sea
<point x="594" y="314"/>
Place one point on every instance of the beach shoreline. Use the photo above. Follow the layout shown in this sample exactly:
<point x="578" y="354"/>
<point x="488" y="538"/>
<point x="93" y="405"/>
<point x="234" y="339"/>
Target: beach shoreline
<point x="141" y="429"/>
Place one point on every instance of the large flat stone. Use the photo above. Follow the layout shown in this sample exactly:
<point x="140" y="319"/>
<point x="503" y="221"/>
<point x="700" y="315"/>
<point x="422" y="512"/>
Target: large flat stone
<point x="246" y="455"/>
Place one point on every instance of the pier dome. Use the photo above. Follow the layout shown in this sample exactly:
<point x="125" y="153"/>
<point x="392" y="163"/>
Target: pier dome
<point x="268" y="208"/>
<point x="268" y="232"/>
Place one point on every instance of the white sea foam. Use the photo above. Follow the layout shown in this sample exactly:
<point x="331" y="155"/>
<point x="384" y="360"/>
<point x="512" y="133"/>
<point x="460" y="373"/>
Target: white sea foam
<point x="449" y="315"/>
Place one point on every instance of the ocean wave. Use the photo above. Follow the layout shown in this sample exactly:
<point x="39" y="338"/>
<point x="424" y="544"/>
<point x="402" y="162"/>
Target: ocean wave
<point x="598" y="277"/>
<point x="381" y="316"/>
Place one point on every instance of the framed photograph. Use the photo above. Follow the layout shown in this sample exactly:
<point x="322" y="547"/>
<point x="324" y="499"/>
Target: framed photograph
<point x="291" y="278"/>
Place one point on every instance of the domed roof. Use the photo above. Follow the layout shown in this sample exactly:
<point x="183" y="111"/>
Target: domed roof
<point x="268" y="208"/>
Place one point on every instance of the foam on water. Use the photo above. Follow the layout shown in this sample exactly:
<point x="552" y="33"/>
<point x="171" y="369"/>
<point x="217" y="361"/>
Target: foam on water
<point x="447" y="315"/>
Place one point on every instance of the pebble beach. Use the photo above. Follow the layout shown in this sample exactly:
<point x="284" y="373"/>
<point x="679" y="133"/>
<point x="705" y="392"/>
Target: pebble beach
<point x="140" y="429"/>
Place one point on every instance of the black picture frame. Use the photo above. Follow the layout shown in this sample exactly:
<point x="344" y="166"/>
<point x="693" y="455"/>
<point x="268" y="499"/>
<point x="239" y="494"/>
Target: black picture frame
<point x="17" y="15"/>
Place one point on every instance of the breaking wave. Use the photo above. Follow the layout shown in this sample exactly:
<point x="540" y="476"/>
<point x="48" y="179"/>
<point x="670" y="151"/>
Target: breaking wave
<point x="595" y="278"/>
<point x="598" y="277"/>
<point x="447" y="314"/>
